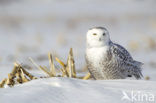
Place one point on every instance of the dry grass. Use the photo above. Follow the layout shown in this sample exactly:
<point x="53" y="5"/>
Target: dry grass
<point x="19" y="75"/>
<point x="147" y="78"/>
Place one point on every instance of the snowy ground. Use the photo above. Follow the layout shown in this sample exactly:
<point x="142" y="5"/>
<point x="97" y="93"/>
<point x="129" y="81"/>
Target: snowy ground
<point x="32" y="28"/>
<point x="65" y="90"/>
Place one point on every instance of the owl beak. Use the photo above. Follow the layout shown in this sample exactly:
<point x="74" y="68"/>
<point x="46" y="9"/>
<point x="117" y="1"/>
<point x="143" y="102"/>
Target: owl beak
<point x="100" y="39"/>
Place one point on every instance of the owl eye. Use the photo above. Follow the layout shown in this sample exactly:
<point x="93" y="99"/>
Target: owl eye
<point x="104" y="34"/>
<point x="94" y="34"/>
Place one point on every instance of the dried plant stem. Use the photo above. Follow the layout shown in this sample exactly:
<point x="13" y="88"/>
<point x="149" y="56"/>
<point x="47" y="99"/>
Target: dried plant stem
<point x="59" y="61"/>
<point x="18" y="76"/>
<point x="68" y="67"/>
<point x="52" y="66"/>
<point x="87" y="76"/>
<point x="37" y="66"/>
<point x="47" y="72"/>
<point x="46" y="68"/>
<point x="64" y="70"/>
<point x="14" y="71"/>
<point x="3" y="83"/>
<point x="25" y="72"/>
<point x="71" y="65"/>
<point x="24" y="78"/>
<point x="10" y="81"/>
<point x="73" y="71"/>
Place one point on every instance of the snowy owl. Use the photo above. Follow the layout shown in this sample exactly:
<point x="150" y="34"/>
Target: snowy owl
<point x="108" y="60"/>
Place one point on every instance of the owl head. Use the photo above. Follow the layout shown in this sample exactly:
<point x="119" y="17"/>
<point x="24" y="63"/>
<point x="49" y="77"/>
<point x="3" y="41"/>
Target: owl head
<point x="97" y="37"/>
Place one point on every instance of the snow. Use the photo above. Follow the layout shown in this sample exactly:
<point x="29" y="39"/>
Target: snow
<point x="65" y="90"/>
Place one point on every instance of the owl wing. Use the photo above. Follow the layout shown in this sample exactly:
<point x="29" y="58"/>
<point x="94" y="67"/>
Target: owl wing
<point x="126" y="62"/>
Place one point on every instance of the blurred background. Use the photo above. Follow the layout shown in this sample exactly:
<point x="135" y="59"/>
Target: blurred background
<point x="32" y="28"/>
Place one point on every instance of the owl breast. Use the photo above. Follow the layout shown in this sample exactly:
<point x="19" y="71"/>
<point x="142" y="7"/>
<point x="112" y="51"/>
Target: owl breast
<point x="95" y="58"/>
<point x="102" y="65"/>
